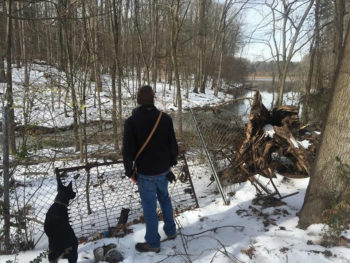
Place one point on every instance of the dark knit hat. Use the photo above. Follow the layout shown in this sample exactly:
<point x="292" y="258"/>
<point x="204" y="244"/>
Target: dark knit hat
<point x="145" y="95"/>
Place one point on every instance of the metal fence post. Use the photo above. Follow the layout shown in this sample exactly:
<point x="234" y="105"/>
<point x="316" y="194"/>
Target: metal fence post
<point x="217" y="180"/>
<point x="6" y="175"/>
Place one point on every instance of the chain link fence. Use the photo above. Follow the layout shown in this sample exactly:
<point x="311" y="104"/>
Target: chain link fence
<point x="102" y="193"/>
<point x="212" y="135"/>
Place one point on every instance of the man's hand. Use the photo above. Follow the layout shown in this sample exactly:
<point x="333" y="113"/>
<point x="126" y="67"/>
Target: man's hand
<point x="133" y="178"/>
<point x="171" y="177"/>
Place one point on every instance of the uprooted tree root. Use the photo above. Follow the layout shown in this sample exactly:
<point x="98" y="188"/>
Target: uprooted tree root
<point x="270" y="145"/>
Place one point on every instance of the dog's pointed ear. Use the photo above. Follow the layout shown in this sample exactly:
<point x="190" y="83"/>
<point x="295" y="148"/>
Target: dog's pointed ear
<point x="59" y="184"/>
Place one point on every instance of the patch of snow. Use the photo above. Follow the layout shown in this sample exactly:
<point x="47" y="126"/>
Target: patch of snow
<point x="295" y="143"/>
<point x="269" y="130"/>
<point x="346" y="234"/>
<point x="305" y="143"/>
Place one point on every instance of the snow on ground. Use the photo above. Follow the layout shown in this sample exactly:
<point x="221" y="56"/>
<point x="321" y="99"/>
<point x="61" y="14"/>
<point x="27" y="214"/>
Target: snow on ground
<point x="242" y="231"/>
<point x="45" y="106"/>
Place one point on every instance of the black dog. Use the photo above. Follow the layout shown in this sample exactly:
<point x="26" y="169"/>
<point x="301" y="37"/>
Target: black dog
<point x="62" y="241"/>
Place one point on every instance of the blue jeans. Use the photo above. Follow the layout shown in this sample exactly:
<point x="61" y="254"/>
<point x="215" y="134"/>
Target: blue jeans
<point x="152" y="188"/>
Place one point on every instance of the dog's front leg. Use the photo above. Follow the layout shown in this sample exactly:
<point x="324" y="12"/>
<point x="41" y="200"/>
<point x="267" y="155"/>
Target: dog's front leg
<point x="73" y="256"/>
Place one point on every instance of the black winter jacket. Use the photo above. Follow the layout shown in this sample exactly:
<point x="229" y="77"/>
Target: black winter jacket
<point x="161" y="151"/>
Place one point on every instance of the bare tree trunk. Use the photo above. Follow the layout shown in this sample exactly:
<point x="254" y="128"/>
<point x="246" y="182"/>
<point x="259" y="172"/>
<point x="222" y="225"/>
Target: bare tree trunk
<point x="287" y="55"/>
<point x="6" y="177"/>
<point x="49" y="58"/>
<point x="114" y="108"/>
<point x="219" y="80"/>
<point x="141" y="44"/>
<point x="154" y="43"/>
<point x="82" y="126"/>
<point x="120" y="65"/>
<point x="83" y="135"/>
<point x="26" y="77"/>
<point x="175" y="29"/>
<point x="187" y="87"/>
<point x="117" y="64"/>
<point x="70" y="73"/>
<point x="198" y="75"/>
<point x="9" y="92"/>
<point x="114" y="24"/>
<point x="313" y="48"/>
<point x="2" y="50"/>
<point x="94" y="43"/>
<point x="125" y="44"/>
<point x="273" y="88"/>
<point x="170" y="72"/>
<point x="326" y="182"/>
<point x="138" y="72"/>
<point x="2" y="70"/>
<point x="61" y="50"/>
<point x="203" y="42"/>
<point x="17" y="43"/>
<point x="339" y="8"/>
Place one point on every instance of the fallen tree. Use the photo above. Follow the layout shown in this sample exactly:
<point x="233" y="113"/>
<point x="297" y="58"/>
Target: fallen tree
<point x="270" y="144"/>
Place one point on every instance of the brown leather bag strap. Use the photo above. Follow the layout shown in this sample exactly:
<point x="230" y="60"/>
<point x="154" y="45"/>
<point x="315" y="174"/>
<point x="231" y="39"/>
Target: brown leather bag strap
<point x="149" y="137"/>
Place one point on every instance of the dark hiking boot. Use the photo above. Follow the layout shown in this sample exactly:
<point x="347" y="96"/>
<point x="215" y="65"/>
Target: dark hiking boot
<point x="145" y="247"/>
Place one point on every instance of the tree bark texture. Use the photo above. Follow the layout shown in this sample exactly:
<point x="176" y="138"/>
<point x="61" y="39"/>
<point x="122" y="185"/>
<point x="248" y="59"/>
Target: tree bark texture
<point x="326" y="184"/>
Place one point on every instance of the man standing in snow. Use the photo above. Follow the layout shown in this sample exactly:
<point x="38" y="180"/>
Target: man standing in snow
<point x="153" y="164"/>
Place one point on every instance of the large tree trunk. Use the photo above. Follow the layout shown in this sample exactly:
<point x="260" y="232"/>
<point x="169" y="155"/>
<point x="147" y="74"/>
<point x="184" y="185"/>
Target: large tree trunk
<point x="339" y="12"/>
<point x="326" y="182"/>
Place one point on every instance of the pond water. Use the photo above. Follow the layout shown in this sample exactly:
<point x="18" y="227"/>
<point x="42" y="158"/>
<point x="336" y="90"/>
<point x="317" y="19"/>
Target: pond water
<point x="240" y="108"/>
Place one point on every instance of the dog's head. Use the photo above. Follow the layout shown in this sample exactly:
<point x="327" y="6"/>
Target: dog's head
<point x="64" y="193"/>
